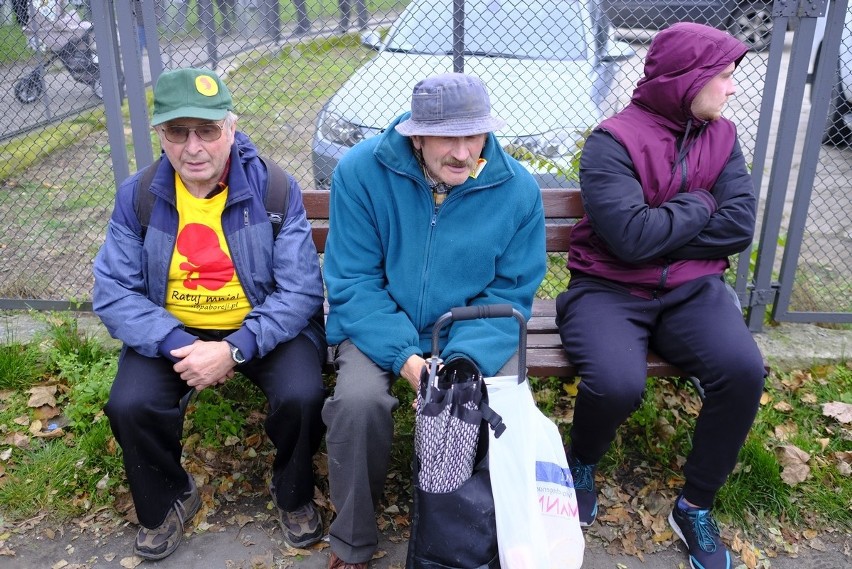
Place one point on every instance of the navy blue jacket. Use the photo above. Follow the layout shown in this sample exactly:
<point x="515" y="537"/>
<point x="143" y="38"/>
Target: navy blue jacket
<point x="282" y="281"/>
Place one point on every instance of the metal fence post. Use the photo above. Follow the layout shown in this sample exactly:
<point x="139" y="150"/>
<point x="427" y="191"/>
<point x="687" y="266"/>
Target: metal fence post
<point x="106" y="42"/>
<point x="779" y="176"/>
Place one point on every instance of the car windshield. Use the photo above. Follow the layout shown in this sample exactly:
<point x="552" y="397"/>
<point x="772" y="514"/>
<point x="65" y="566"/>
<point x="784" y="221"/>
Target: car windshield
<point x="523" y="29"/>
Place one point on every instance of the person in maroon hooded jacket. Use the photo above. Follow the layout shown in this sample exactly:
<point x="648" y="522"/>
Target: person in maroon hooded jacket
<point x="668" y="199"/>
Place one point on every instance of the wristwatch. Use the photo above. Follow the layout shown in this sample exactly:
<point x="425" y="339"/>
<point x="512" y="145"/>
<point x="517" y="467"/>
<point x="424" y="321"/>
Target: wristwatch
<point x="236" y="354"/>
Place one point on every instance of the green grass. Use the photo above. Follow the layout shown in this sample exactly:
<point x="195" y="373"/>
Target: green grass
<point x="44" y="479"/>
<point x="13" y="44"/>
<point x="19" y="153"/>
<point x="21" y="366"/>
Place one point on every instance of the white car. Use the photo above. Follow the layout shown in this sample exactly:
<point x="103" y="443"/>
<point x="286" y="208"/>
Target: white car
<point x="549" y="66"/>
<point x="838" y="122"/>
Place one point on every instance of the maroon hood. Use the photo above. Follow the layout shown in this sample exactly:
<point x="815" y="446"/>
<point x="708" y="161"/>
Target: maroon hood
<point x="658" y="128"/>
<point x="680" y="61"/>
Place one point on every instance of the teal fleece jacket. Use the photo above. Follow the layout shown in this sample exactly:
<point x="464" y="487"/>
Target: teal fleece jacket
<point x="395" y="262"/>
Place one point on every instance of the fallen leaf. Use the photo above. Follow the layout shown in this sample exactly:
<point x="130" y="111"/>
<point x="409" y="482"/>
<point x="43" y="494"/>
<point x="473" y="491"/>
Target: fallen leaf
<point x="130" y="562"/>
<point x="838" y="410"/>
<point x="785" y="430"/>
<point x="18" y="440"/>
<point x="42" y="395"/>
<point x="571" y="388"/>
<point x="783" y="407"/>
<point x="263" y="561"/>
<point x="102" y="483"/>
<point x="809" y="398"/>
<point x="55" y="433"/>
<point x="46" y="412"/>
<point x="749" y="558"/>
<point x="295" y="551"/>
<point x="794" y="462"/>
<point x="796" y="379"/>
<point x="844" y="462"/>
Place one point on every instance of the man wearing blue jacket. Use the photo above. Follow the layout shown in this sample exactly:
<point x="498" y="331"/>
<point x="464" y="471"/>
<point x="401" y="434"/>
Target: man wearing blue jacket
<point x="203" y="288"/>
<point x="668" y="198"/>
<point x="429" y="215"/>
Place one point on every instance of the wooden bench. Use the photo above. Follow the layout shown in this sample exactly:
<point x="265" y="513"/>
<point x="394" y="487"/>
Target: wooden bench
<point x="545" y="356"/>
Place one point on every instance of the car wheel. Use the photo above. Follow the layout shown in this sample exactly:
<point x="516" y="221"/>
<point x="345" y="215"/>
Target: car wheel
<point x="751" y="23"/>
<point x="28" y="89"/>
<point x="837" y="131"/>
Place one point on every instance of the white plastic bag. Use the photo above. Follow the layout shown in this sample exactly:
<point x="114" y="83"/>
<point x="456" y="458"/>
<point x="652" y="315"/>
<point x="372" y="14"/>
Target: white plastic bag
<point x="534" y="498"/>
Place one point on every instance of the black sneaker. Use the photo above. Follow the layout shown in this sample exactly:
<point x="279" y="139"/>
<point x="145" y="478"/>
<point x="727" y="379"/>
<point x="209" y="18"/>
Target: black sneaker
<point x="699" y="531"/>
<point x="584" y="485"/>
<point x="162" y="540"/>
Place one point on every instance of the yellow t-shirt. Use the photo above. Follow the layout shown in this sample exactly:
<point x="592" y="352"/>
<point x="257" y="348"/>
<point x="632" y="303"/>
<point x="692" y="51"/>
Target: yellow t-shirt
<point x="203" y="289"/>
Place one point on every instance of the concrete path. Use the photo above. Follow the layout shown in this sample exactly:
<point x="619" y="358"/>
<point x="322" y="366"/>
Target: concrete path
<point x="258" y="546"/>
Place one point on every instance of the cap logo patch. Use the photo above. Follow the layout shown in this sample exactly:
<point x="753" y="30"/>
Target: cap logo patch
<point x="206" y="85"/>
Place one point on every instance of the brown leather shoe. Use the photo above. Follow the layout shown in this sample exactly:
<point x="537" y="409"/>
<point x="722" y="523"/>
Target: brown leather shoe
<point x="335" y="562"/>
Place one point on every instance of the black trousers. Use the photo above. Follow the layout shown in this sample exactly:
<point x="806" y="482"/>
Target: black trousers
<point x="145" y="419"/>
<point x="22" y="13"/>
<point x="607" y="331"/>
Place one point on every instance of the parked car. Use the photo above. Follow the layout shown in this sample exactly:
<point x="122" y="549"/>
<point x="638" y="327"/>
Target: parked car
<point x="838" y="121"/>
<point x="549" y="66"/>
<point x="750" y="21"/>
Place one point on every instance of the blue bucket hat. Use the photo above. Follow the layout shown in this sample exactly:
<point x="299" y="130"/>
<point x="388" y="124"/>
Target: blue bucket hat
<point x="451" y="104"/>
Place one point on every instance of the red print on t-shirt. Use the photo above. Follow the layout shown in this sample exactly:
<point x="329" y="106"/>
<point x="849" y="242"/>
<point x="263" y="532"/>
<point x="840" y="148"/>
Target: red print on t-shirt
<point x="204" y="258"/>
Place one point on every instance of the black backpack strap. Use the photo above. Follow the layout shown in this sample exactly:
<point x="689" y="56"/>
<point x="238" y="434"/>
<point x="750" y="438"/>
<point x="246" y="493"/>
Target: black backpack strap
<point x="277" y="195"/>
<point x="143" y="200"/>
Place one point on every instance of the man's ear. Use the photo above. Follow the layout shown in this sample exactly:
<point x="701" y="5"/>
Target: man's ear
<point x="416" y="142"/>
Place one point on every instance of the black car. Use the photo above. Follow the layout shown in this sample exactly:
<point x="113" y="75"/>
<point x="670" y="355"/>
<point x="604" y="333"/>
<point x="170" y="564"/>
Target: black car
<point x="750" y="21"/>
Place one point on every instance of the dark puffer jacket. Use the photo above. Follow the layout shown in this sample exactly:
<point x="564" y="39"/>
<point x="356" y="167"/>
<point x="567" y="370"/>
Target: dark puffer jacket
<point x="667" y="196"/>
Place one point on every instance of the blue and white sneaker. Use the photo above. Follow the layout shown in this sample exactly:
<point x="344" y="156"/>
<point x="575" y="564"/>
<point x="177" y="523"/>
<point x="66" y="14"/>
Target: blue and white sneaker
<point x="584" y="485"/>
<point x="699" y="531"/>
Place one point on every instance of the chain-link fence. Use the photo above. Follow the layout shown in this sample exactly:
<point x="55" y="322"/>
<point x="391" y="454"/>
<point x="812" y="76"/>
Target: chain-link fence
<point x="310" y="78"/>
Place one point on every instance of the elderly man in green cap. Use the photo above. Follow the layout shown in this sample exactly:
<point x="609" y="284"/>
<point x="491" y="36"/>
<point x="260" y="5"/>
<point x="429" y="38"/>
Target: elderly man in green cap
<point x="198" y="284"/>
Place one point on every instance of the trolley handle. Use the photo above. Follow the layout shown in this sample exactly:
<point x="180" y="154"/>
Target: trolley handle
<point x="485" y="311"/>
<point x="482" y="311"/>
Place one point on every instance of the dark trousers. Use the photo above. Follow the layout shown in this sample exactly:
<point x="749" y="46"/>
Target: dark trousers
<point x="607" y="332"/>
<point x="22" y="12"/>
<point x="360" y="7"/>
<point x="145" y="419"/>
<point x="228" y="12"/>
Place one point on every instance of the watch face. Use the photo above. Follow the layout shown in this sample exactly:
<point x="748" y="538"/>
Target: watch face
<point x="236" y="355"/>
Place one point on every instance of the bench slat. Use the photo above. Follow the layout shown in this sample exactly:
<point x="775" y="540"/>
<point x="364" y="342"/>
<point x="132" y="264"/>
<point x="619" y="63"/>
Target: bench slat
<point x="545" y="356"/>
<point x="316" y="203"/>
<point x="562" y="202"/>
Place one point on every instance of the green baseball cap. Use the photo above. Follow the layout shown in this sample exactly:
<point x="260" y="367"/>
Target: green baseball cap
<point x="190" y="93"/>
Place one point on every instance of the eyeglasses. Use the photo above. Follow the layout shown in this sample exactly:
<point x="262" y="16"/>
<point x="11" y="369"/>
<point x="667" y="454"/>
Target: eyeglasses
<point x="208" y="132"/>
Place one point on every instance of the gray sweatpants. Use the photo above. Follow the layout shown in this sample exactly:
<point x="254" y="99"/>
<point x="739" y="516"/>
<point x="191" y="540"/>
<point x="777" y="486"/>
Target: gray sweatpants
<point x="359" y="418"/>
